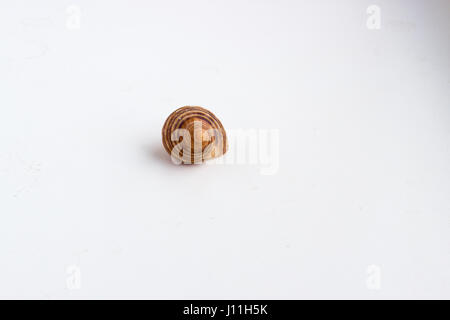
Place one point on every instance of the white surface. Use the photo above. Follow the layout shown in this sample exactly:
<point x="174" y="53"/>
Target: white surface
<point x="364" y="176"/>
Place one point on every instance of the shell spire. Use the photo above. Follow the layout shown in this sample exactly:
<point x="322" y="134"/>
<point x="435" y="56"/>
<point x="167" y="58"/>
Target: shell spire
<point x="192" y="135"/>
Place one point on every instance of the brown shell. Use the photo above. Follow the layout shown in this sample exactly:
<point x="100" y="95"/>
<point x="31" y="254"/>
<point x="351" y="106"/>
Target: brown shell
<point x="208" y="138"/>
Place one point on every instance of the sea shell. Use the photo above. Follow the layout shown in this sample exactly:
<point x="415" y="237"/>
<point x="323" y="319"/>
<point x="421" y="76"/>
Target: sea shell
<point x="193" y="135"/>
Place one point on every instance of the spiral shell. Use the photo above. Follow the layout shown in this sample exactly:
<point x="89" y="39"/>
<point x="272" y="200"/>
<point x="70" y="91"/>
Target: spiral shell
<point x="193" y="135"/>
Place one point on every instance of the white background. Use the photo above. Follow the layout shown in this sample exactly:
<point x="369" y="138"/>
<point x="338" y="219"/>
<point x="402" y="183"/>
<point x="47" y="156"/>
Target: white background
<point x="91" y="206"/>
